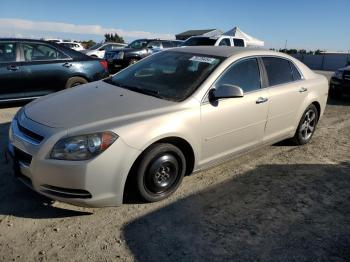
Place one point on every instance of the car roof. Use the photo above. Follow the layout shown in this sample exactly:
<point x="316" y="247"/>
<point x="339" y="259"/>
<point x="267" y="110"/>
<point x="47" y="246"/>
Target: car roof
<point x="223" y="51"/>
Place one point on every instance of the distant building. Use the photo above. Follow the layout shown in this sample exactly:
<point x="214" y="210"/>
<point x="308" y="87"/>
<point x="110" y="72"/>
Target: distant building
<point x="203" y="32"/>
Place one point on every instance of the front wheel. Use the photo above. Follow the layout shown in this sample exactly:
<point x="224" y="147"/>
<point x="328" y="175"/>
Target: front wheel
<point x="307" y="125"/>
<point x="160" y="172"/>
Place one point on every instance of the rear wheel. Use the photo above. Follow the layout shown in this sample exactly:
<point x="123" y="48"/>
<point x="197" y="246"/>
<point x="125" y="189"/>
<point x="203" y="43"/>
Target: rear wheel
<point x="160" y="172"/>
<point x="75" y="81"/>
<point x="307" y="125"/>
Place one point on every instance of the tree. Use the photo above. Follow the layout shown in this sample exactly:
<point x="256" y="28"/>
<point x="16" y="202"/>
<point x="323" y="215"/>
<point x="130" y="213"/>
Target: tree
<point x="113" y="38"/>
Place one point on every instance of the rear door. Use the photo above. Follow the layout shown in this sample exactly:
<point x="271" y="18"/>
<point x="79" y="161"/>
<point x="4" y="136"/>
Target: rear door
<point x="11" y="82"/>
<point x="45" y="68"/>
<point x="287" y="94"/>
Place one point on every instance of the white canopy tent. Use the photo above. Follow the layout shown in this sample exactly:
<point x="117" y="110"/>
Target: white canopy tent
<point x="251" y="41"/>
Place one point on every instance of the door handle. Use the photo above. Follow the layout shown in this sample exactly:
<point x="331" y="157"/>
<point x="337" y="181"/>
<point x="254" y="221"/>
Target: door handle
<point x="302" y="90"/>
<point x="67" y="64"/>
<point x="262" y="100"/>
<point x="12" y="68"/>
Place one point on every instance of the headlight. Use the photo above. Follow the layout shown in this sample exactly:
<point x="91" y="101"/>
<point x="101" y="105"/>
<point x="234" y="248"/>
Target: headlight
<point x="82" y="147"/>
<point x="338" y="74"/>
<point x="120" y="55"/>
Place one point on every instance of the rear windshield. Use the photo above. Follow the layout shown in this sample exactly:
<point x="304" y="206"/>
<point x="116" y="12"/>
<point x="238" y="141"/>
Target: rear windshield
<point x="197" y="41"/>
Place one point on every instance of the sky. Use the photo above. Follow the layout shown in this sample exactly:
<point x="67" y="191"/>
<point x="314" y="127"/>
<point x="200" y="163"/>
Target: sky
<point x="304" y="24"/>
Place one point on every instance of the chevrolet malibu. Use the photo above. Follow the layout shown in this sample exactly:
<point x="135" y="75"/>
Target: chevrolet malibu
<point x="173" y="113"/>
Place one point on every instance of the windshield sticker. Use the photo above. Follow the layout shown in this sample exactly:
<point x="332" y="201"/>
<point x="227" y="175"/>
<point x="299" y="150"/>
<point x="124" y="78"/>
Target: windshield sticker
<point x="203" y="59"/>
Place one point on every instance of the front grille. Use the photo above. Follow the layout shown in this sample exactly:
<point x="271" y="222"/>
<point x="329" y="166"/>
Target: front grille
<point x="22" y="156"/>
<point x="65" y="192"/>
<point x="346" y="75"/>
<point x="30" y="134"/>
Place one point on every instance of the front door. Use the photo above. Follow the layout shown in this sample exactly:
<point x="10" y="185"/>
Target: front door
<point x="12" y="85"/>
<point x="234" y="125"/>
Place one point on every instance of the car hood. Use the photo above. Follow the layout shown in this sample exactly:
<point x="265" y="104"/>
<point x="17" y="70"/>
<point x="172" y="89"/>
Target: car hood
<point x="93" y="103"/>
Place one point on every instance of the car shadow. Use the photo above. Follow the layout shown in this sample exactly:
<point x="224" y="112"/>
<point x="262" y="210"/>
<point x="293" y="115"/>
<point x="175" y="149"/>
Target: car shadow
<point x="298" y="212"/>
<point x="18" y="200"/>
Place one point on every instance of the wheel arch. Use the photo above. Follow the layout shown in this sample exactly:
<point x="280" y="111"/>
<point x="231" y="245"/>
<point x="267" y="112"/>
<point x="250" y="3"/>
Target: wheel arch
<point x="318" y="107"/>
<point x="179" y="142"/>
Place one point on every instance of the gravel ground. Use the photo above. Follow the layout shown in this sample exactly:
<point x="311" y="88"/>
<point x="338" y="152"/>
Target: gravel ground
<point x="280" y="203"/>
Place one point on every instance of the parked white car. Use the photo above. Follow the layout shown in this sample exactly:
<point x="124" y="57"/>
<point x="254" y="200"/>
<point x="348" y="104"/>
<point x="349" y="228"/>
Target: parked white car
<point x="99" y="49"/>
<point x="170" y="114"/>
<point x="73" y="45"/>
<point x="222" y="40"/>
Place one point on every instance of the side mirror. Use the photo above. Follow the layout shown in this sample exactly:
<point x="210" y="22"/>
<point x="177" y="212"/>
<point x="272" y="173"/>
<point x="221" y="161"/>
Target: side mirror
<point x="150" y="47"/>
<point x="225" y="91"/>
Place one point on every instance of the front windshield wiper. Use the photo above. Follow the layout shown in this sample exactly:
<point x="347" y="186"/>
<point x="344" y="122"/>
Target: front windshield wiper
<point x="138" y="89"/>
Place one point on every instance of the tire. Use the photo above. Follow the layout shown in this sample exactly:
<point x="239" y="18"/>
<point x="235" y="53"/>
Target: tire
<point x="307" y="126"/>
<point x="160" y="172"/>
<point x="133" y="61"/>
<point x="75" y="81"/>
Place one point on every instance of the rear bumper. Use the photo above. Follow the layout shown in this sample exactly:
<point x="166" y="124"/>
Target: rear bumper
<point x="116" y="63"/>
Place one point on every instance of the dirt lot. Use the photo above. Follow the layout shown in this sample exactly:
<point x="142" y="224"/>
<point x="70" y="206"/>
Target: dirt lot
<point x="280" y="203"/>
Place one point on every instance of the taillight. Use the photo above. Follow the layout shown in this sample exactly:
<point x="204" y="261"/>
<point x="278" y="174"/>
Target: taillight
<point x="104" y="64"/>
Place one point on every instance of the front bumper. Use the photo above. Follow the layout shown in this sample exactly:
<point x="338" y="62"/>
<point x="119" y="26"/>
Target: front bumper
<point x="97" y="182"/>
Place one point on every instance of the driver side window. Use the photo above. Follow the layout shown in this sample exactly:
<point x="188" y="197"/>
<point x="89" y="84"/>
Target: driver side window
<point x="244" y="74"/>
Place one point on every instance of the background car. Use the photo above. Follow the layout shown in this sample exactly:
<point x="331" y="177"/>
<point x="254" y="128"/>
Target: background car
<point x="32" y="68"/>
<point x="137" y="50"/>
<point x="98" y="50"/>
<point x="340" y="82"/>
<point x="222" y="40"/>
<point x="53" y="40"/>
<point x="73" y="45"/>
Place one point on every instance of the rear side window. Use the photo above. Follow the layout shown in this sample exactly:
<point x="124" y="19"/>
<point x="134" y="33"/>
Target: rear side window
<point x="225" y="42"/>
<point x="244" y="74"/>
<point x="295" y="72"/>
<point x="238" y="42"/>
<point x="40" y="52"/>
<point x="7" y="52"/>
<point x="278" y="70"/>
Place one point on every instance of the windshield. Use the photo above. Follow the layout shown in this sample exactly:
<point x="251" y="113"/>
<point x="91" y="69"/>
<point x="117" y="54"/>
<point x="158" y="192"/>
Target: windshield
<point x="168" y="75"/>
<point x="196" y="41"/>
<point x="95" y="46"/>
<point x="137" y="44"/>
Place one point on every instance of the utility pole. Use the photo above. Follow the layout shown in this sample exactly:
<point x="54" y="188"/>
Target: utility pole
<point x="285" y="45"/>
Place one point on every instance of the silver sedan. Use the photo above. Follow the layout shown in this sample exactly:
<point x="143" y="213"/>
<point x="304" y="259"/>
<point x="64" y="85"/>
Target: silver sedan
<point x="171" y="114"/>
